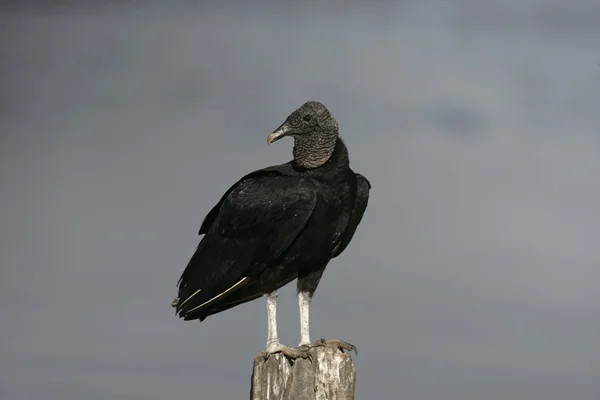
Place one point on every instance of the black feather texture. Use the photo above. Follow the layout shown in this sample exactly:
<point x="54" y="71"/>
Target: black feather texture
<point x="275" y="225"/>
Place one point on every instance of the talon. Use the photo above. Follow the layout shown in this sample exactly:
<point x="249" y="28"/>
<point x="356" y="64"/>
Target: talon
<point x="293" y="353"/>
<point x="296" y="353"/>
<point x="262" y="356"/>
<point x="339" y="343"/>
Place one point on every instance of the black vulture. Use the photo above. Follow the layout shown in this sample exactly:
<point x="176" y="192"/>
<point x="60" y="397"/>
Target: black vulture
<point x="278" y="224"/>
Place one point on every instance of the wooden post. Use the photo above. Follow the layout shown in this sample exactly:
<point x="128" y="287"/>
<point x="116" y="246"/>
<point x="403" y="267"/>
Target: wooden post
<point x="328" y="374"/>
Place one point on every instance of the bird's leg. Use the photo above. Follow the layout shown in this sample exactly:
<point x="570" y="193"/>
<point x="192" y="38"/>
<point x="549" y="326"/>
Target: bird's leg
<point x="307" y="284"/>
<point x="306" y="289"/>
<point x="272" y="338"/>
<point x="273" y="344"/>
<point x="304" y="298"/>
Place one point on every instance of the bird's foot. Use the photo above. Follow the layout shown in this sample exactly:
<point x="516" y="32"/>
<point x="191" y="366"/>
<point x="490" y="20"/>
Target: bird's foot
<point x="289" y="352"/>
<point x="337" y="342"/>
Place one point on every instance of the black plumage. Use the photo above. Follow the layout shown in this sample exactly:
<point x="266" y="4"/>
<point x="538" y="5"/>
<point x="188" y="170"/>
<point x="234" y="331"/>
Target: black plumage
<point x="279" y="223"/>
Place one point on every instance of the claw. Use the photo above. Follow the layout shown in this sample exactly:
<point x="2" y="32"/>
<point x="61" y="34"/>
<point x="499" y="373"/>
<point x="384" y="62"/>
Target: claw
<point x="303" y="351"/>
<point x="295" y="353"/>
<point x="262" y="356"/>
<point x="290" y="352"/>
<point x="339" y="343"/>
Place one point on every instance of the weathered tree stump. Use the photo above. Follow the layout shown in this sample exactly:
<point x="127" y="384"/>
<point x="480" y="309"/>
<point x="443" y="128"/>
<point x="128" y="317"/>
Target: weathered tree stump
<point x="328" y="374"/>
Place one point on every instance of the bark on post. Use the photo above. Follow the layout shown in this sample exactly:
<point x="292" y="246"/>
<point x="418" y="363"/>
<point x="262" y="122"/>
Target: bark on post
<point x="329" y="374"/>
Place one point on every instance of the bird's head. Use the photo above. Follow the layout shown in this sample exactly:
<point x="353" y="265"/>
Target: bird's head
<point x="311" y="119"/>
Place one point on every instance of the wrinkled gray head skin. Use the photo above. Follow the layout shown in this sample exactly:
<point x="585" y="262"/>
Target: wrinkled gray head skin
<point x="312" y="118"/>
<point x="315" y="134"/>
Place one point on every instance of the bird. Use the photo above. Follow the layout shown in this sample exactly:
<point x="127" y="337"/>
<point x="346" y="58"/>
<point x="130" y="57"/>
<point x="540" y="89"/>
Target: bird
<point x="278" y="224"/>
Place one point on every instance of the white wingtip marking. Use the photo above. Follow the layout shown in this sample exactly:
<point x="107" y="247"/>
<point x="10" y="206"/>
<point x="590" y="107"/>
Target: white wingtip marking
<point x="186" y="300"/>
<point x="219" y="295"/>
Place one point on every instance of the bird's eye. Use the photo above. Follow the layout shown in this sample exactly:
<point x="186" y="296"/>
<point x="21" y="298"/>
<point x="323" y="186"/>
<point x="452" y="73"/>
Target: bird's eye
<point x="307" y="118"/>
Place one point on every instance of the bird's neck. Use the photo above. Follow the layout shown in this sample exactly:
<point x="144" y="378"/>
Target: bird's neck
<point x="314" y="151"/>
<point x="317" y="151"/>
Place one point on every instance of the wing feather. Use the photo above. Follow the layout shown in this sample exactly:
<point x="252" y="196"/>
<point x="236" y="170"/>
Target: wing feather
<point x="360" y="204"/>
<point x="250" y="229"/>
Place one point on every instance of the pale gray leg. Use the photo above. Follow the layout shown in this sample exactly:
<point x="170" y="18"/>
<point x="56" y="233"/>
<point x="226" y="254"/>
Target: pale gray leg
<point x="273" y="344"/>
<point x="304" y="298"/>
<point x="272" y="338"/>
<point x="307" y="284"/>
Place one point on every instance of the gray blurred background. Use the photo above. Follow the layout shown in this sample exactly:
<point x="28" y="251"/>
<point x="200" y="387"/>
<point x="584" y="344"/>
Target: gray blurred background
<point x="474" y="275"/>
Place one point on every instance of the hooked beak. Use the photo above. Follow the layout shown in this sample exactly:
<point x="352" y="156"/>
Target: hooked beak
<point x="280" y="132"/>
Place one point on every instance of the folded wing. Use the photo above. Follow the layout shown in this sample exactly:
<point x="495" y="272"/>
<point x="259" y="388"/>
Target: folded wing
<point x="249" y="230"/>
<point x="360" y="204"/>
